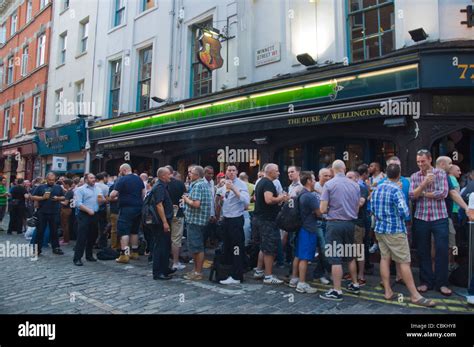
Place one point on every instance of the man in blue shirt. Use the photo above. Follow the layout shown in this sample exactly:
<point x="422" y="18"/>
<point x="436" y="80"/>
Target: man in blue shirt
<point x="87" y="198"/>
<point x="390" y="210"/>
<point x="48" y="196"/>
<point x="130" y="191"/>
<point x="306" y="240"/>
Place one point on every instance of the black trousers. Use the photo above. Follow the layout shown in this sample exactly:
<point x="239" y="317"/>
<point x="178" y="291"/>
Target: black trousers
<point x="17" y="214"/>
<point x="86" y="234"/>
<point x="102" y="220"/>
<point x="46" y="219"/>
<point x="161" y="250"/>
<point x="234" y="245"/>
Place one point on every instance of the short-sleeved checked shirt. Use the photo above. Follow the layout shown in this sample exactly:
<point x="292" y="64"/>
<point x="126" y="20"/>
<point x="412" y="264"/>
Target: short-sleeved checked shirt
<point x="199" y="191"/>
<point x="430" y="209"/>
<point x="389" y="208"/>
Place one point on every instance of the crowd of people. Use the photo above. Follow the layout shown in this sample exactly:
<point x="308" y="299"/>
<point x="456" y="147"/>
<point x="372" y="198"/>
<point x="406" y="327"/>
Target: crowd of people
<point x="374" y="210"/>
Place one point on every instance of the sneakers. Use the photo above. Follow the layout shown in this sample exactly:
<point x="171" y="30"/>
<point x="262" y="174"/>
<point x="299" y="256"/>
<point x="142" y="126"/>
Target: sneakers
<point x="179" y="266"/>
<point x="272" y="280"/>
<point x="258" y="274"/>
<point x="374" y="248"/>
<point x="305" y="288"/>
<point x="229" y="280"/>
<point x="123" y="259"/>
<point x="193" y="276"/>
<point x="293" y="282"/>
<point x="353" y="289"/>
<point x="324" y="280"/>
<point x="332" y="295"/>
<point x="134" y="256"/>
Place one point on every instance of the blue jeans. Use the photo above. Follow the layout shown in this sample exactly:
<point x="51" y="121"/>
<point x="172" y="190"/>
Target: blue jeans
<point x="422" y="233"/>
<point x="322" y="265"/>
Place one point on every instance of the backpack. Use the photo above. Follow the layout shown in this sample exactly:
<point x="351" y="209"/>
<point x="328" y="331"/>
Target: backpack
<point x="149" y="213"/>
<point x="107" y="254"/>
<point x="219" y="270"/>
<point x="289" y="217"/>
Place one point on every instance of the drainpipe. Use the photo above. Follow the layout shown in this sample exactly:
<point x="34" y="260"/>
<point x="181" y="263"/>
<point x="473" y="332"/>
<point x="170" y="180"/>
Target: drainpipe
<point x="170" y="62"/>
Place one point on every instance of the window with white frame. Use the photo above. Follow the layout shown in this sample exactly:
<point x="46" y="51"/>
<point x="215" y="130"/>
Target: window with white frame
<point x="65" y="5"/>
<point x="62" y="48"/>
<point x="29" y="10"/>
<point x="6" y="123"/>
<point x="115" y="83"/>
<point x="43" y="3"/>
<point x="3" y="34"/>
<point x="21" y="118"/>
<point x="1" y="76"/>
<point x="119" y="12"/>
<point x="24" y="61"/>
<point x="36" y="111"/>
<point x="59" y="97"/>
<point x="13" y="22"/>
<point x="41" y="50"/>
<point x="80" y="96"/>
<point x="10" y="70"/>
<point x="146" y="5"/>
<point x="84" y="30"/>
<point x="144" y="78"/>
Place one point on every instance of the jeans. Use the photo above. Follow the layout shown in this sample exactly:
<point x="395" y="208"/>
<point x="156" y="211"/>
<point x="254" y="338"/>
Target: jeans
<point x="47" y="219"/>
<point x="322" y="265"/>
<point x="161" y="250"/>
<point x="234" y="245"/>
<point x="423" y="232"/>
<point x="86" y="234"/>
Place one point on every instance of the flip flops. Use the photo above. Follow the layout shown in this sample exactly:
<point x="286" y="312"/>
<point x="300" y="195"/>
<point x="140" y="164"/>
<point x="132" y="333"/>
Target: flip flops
<point x="424" y="302"/>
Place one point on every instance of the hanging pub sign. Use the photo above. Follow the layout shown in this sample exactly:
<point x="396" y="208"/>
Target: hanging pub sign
<point x="209" y="51"/>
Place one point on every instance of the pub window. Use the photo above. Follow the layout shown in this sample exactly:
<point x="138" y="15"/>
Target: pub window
<point x="114" y="97"/>
<point x="144" y="78"/>
<point x="371" y="26"/>
<point x="201" y="77"/>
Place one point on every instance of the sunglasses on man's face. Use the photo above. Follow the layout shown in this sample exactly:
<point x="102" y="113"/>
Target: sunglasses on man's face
<point x="423" y="151"/>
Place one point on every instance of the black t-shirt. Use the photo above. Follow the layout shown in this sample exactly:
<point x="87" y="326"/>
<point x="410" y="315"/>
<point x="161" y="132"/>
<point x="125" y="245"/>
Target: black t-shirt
<point x="262" y="209"/>
<point x="18" y="193"/>
<point x="361" y="218"/>
<point x="130" y="189"/>
<point x="69" y="196"/>
<point x="176" y="189"/>
<point x="161" y="194"/>
<point x="49" y="206"/>
<point x="448" y="200"/>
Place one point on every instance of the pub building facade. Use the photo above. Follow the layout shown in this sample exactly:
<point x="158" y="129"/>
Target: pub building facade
<point x="417" y="97"/>
<point x="62" y="148"/>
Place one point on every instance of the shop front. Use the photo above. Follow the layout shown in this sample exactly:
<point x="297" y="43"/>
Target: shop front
<point x="62" y="148"/>
<point x="19" y="160"/>
<point x="359" y="113"/>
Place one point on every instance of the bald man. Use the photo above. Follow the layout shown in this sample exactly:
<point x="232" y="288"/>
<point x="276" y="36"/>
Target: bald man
<point x="130" y="192"/>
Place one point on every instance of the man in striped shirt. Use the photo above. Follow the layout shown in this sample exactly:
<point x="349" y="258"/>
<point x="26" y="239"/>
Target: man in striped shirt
<point x="428" y="189"/>
<point x="390" y="210"/>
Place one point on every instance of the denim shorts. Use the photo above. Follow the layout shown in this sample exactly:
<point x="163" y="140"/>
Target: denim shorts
<point x="195" y="238"/>
<point x="129" y="220"/>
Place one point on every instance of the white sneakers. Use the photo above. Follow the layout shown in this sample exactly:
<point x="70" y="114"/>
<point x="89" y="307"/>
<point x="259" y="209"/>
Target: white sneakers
<point x="304" y="287"/>
<point x="272" y="280"/>
<point x="324" y="280"/>
<point x="229" y="280"/>
<point x="374" y="248"/>
<point x="258" y="274"/>
<point x="179" y="266"/>
<point x="293" y="282"/>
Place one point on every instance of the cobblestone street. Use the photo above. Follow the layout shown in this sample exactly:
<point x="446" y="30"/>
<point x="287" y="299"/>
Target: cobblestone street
<point x="52" y="284"/>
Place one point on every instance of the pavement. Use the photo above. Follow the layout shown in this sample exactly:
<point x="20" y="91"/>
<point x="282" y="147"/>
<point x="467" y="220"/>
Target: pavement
<point x="54" y="285"/>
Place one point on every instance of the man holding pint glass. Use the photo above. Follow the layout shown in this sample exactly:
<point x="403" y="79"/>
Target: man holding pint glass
<point x="48" y="196"/>
<point x="88" y="198"/>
